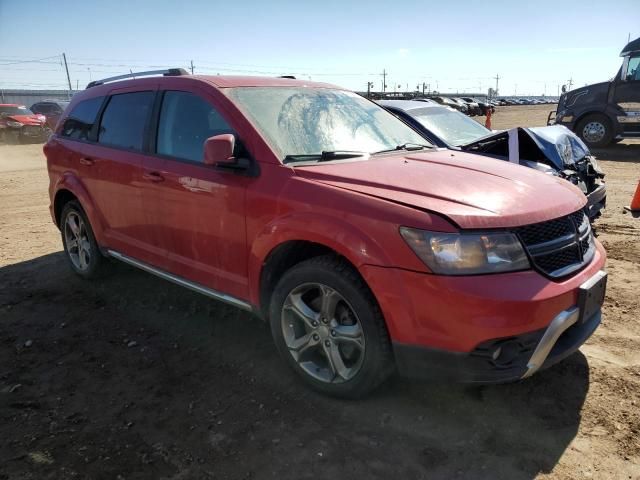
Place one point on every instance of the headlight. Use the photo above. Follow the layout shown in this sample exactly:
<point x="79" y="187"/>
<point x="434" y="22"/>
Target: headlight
<point x="467" y="254"/>
<point x="14" y="124"/>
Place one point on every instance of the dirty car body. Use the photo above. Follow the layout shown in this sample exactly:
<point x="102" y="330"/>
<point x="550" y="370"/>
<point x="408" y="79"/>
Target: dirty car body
<point x="365" y="248"/>
<point x="554" y="150"/>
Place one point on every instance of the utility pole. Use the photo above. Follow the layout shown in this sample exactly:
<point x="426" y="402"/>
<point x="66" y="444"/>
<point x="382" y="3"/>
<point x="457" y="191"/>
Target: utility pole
<point x="384" y="80"/>
<point x="64" y="56"/>
<point x="369" y="86"/>
<point x="192" y="67"/>
<point x="423" y="87"/>
<point x="570" y="83"/>
<point x="497" y="77"/>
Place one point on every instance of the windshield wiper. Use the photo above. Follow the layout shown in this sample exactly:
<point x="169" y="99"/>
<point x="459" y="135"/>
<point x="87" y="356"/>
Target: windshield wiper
<point x="405" y="146"/>
<point x="325" y="156"/>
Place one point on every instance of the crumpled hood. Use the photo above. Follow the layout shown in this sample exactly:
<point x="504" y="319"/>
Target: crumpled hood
<point x="26" y="119"/>
<point x="472" y="191"/>
<point x="559" y="144"/>
<point x="561" y="147"/>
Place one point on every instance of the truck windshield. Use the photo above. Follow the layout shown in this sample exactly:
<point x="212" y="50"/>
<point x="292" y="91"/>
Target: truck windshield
<point x="299" y="121"/>
<point x="453" y="127"/>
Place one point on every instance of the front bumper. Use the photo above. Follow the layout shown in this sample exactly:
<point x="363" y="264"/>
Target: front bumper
<point x="596" y="201"/>
<point x="523" y="354"/>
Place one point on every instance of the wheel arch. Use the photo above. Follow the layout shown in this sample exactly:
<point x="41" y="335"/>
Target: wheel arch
<point x="583" y="115"/>
<point x="293" y="240"/>
<point x="70" y="188"/>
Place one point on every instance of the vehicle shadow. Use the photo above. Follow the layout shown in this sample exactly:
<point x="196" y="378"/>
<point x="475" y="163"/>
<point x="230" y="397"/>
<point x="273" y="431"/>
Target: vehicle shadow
<point x="619" y="152"/>
<point x="130" y="375"/>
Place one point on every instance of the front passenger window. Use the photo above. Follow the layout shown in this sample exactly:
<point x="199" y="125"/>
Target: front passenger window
<point x="186" y="121"/>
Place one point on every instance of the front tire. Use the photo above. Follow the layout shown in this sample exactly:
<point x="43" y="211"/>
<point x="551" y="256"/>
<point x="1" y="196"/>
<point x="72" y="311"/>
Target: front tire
<point x="595" y="130"/>
<point x="79" y="241"/>
<point x="329" y="328"/>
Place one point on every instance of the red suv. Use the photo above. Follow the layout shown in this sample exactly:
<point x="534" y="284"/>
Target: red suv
<point x="367" y="249"/>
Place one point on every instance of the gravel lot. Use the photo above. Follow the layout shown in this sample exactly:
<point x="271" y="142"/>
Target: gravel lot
<point x="131" y="377"/>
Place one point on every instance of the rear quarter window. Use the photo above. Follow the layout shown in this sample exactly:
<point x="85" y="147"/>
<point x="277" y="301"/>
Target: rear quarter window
<point x="80" y="121"/>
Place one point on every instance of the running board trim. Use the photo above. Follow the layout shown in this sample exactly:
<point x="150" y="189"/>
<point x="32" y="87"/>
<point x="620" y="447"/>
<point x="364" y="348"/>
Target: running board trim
<point x="181" y="281"/>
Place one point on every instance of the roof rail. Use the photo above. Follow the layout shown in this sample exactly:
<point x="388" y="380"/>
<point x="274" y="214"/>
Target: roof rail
<point x="287" y="76"/>
<point x="169" y="72"/>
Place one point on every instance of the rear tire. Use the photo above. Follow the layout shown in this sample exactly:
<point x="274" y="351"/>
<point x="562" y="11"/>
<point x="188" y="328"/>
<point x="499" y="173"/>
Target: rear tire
<point x="79" y="242"/>
<point x="329" y="328"/>
<point x="595" y="130"/>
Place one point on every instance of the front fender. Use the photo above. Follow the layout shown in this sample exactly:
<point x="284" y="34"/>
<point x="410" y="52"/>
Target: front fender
<point x="344" y="238"/>
<point x="70" y="182"/>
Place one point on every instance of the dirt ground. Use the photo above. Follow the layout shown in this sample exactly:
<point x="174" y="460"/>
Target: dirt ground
<point x="131" y="377"/>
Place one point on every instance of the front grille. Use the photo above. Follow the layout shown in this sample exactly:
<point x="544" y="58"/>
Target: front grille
<point x="559" y="247"/>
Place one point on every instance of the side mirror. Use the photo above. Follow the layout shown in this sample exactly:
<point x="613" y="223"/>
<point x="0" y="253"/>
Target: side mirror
<point x="218" y="150"/>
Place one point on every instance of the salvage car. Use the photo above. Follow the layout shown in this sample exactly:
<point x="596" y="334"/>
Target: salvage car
<point x="552" y="150"/>
<point x="18" y="124"/>
<point x="365" y="248"/>
<point x="51" y="109"/>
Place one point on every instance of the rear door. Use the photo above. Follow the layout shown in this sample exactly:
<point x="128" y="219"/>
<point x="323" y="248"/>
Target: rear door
<point x="117" y="176"/>
<point x="199" y="212"/>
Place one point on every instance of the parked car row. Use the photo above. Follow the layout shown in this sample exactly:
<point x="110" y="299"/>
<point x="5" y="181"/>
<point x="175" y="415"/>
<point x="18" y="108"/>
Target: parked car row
<point x="366" y="245"/>
<point x="467" y="105"/>
<point x="527" y="101"/>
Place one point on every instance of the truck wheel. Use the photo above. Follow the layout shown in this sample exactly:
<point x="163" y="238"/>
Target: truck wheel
<point x="329" y="328"/>
<point x="79" y="242"/>
<point x="595" y="130"/>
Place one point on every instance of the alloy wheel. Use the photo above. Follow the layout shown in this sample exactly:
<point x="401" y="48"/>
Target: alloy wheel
<point x="77" y="241"/>
<point x="323" y="333"/>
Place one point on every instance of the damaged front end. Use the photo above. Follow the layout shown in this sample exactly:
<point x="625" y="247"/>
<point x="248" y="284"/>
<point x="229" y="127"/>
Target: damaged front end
<point x="553" y="150"/>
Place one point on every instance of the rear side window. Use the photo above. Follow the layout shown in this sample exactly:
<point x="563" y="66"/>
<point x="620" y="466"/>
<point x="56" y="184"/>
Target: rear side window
<point x="81" y="119"/>
<point x="124" y="120"/>
<point x="186" y="121"/>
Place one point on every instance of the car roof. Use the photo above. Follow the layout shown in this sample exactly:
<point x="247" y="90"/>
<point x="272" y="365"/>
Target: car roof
<point x="218" y="81"/>
<point x="11" y="105"/>
<point x="407" y="105"/>
<point x="229" y="81"/>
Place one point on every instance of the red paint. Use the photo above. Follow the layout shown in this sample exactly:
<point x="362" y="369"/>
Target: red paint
<point x="30" y="119"/>
<point x="217" y="228"/>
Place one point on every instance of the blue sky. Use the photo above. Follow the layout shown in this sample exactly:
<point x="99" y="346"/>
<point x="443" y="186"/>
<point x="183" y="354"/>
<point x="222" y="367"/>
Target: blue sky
<point x="452" y="46"/>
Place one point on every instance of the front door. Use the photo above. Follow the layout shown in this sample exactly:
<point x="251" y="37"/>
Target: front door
<point x="199" y="211"/>
<point x="627" y="96"/>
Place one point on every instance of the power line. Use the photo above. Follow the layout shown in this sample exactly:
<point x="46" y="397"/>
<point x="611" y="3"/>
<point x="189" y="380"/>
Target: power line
<point x="39" y="60"/>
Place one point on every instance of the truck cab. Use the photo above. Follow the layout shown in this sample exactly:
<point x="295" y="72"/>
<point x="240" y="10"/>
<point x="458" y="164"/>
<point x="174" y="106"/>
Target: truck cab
<point x="605" y="112"/>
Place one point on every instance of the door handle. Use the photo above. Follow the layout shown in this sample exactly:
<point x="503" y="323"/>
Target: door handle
<point x="153" y="177"/>
<point x="86" y="161"/>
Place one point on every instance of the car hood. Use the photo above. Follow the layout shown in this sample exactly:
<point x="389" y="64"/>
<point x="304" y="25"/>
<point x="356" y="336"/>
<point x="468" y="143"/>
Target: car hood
<point x="587" y="95"/>
<point x="26" y="119"/>
<point x="472" y="191"/>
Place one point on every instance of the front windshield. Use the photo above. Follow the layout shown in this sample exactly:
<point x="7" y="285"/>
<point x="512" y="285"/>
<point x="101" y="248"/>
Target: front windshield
<point x="300" y="121"/>
<point x="10" y="110"/>
<point x="453" y="127"/>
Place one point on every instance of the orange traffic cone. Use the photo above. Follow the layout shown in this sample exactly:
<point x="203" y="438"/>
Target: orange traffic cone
<point x="487" y="122"/>
<point x="635" y="201"/>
